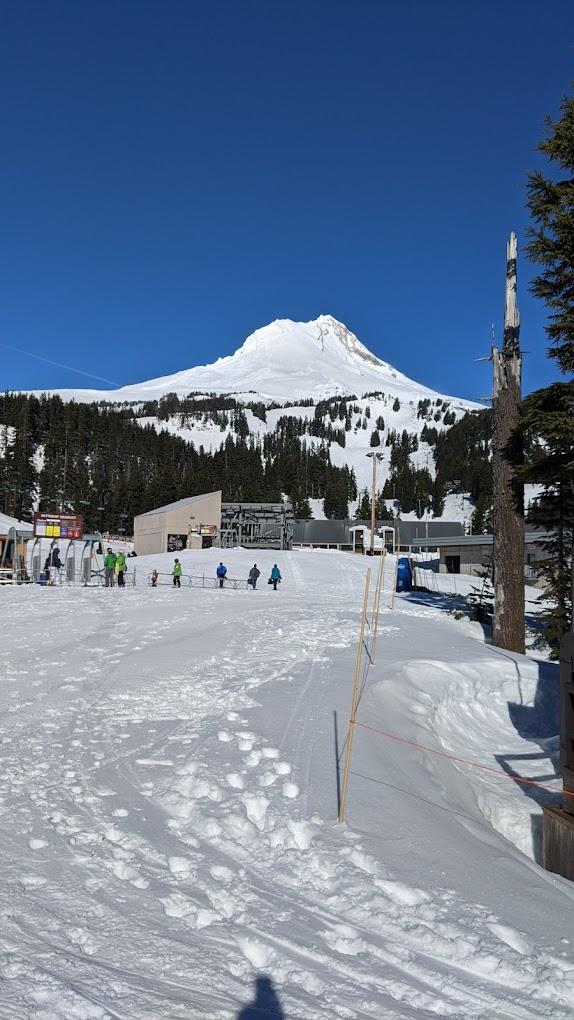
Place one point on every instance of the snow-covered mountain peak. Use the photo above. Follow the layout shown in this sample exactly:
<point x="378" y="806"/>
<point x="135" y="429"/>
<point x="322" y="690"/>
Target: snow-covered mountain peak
<point x="283" y="361"/>
<point x="320" y="335"/>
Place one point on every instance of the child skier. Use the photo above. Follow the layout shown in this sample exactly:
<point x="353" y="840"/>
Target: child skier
<point x="221" y="572"/>
<point x="176" y="573"/>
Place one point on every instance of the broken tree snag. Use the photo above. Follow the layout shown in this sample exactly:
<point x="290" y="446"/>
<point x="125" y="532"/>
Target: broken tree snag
<point x="508" y="506"/>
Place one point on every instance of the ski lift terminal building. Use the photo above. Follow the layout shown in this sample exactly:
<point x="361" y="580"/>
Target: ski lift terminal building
<point x="190" y="523"/>
<point x="198" y="522"/>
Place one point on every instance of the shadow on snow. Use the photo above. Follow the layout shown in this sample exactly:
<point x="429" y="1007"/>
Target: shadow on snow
<point x="265" y="1005"/>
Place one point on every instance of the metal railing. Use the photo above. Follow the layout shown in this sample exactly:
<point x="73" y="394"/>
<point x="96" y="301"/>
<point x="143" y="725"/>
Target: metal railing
<point x="14" y="575"/>
<point x="197" y="581"/>
<point x="85" y="578"/>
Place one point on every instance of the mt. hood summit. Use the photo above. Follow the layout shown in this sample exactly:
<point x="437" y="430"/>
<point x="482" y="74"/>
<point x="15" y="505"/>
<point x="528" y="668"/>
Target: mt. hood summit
<point x="285" y="360"/>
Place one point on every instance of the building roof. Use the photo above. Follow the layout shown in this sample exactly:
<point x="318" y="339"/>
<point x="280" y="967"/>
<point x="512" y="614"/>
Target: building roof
<point x="338" y="532"/>
<point x="530" y="537"/>
<point x="6" y="522"/>
<point x="322" y="532"/>
<point x="412" y="532"/>
<point x="179" y="503"/>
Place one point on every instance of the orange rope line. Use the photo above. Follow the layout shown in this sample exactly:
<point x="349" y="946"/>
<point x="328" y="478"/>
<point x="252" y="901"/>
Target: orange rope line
<point x="454" y="757"/>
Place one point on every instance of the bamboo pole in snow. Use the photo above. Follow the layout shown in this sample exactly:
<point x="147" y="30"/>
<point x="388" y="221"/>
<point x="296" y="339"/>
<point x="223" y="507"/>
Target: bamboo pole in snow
<point x="395" y="572"/>
<point x="354" y="700"/>
<point x="376" y="604"/>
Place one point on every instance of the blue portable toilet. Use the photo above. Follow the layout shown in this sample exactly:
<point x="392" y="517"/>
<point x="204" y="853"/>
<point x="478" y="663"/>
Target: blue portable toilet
<point x="404" y="574"/>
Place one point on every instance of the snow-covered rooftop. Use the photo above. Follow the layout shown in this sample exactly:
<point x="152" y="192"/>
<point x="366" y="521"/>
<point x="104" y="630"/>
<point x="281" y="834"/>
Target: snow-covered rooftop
<point x="7" y="522"/>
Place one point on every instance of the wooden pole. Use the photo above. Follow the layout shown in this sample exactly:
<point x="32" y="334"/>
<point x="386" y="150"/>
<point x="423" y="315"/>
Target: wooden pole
<point x="395" y="572"/>
<point x="373" y="499"/>
<point x="354" y="700"/>
<point x="376" y="604"/>
<point x="508" y="506"/>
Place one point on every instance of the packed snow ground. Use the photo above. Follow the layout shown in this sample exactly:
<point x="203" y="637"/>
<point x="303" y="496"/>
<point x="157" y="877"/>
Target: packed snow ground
<point x="169" y="802"/>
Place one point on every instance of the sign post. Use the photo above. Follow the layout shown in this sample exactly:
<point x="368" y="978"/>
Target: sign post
<point x="64" y="526"/>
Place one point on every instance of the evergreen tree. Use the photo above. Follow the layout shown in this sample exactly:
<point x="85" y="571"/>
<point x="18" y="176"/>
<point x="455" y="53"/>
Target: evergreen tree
<point x="548" y="415"/>
<point x="383" y="514"/>
<point x="363" y="512"/>
<point x="481" y="521"/>
<point x="438" y="498"/>
<point x="336" y="502"/>
<point x="375" y="438"/>
<point x="301" y="507"/>
<point x="551" y="205"/>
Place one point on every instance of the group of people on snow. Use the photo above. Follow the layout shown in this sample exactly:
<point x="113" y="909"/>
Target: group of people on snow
<point x="221" y="574"/>
<point x="114" y="566"/>
<point x="254" y="575"/>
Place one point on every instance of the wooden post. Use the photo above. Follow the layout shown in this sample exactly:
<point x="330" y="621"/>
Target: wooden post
<point x="508" y="507"/>
<point x="354" y="699"/>
<point x="376" y="604"/>
<point x="395" y="574"/>
<point x="373" y="504"/>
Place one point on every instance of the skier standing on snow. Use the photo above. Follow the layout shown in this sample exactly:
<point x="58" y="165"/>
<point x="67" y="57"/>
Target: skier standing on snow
<point x="154" y="577"/>
<point x="110" y="567"/>
<point x="275" y="577"/>
<point x="176" y="572"/>
<point x="253" y="575"/>
<point x="120" y="568"/>
<point x="221" y="572"/>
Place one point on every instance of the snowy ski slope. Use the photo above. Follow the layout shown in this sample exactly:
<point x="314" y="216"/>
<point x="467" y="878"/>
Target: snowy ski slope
<point x="169" y="796"/>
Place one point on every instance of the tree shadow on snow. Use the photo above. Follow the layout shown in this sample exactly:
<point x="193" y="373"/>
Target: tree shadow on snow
<point x="538" y="723"/>
<point x="451" y="603"/>
<point x="265" y="1005"/>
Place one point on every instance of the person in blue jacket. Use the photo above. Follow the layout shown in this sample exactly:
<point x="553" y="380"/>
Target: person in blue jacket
<point x="221" y="572"/>
<point x="275" y="577"/>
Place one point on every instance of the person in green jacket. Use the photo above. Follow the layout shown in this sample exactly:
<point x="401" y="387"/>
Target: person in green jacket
<point x="120" y="568"/>
<point x="110" y="567"/>
<point x="176" y="573"/>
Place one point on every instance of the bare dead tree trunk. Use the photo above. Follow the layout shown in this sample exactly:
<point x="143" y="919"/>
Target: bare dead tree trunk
<point x="508" y="511"/>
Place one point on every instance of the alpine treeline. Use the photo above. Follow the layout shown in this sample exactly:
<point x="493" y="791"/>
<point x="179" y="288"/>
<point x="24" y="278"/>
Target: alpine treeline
<point x="99" y="461"/>
<point x="104" y="461"/>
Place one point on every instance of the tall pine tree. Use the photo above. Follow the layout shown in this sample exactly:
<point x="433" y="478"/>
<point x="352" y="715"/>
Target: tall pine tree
<point x="548" y="415"/>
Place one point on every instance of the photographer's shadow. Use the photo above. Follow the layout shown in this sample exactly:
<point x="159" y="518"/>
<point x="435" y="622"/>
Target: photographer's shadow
<point x="266" y="1005"/>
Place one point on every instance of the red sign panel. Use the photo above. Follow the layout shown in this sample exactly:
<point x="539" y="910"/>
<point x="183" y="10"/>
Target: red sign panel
<point x="58" y="525"/>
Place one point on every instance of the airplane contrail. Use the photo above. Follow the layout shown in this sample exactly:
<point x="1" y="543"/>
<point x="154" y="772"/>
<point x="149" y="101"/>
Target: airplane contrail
<point x="58" y="364"/>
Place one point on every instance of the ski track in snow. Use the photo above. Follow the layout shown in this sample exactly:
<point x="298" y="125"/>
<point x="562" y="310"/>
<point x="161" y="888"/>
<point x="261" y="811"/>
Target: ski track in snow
<point x="168" y="810"/>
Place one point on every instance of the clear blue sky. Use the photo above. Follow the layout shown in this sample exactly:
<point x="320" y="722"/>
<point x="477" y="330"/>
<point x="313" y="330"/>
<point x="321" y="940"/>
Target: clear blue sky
<point x="176" y="174"/>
